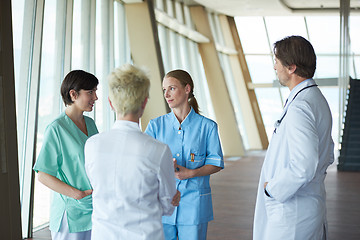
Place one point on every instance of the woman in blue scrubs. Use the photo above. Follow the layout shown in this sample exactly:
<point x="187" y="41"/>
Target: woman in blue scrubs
<point x="60" y="164"/>
<point x="195" y="146"/>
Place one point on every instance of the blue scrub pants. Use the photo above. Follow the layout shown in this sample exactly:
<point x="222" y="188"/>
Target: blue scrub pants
<point x="185" y="232"/>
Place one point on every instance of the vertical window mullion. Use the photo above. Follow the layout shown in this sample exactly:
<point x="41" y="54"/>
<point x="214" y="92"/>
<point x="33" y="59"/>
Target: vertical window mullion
<point x="103" y="60"/>
<point x="30" y="120"/>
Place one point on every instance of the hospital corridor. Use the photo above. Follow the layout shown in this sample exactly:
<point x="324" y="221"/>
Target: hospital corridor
<point x="226" y="95"/>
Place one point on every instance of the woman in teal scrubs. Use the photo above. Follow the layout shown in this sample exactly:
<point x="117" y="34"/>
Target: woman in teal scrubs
<point x="195" y="145"/>
<point x="60" y="164"/>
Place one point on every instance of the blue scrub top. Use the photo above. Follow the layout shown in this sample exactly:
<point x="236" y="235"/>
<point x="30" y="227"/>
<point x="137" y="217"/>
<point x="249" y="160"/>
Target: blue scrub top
<point x="62" y="156"/>
<point x="197" y="136"/>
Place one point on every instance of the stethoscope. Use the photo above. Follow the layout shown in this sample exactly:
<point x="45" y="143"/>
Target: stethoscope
<point x="277" y="123"/>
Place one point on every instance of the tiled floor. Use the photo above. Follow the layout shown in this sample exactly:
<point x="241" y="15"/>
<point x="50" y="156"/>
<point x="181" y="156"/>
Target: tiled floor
<point x="234" y="194"/>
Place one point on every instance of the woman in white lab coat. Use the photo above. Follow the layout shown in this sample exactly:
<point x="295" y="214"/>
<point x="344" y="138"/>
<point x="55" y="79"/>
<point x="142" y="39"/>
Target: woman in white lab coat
<point x="131" y="173"/>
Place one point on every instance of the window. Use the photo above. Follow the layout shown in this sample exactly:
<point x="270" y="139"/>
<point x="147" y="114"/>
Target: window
<point x="49" y="93"/>
<point x="323" y="33"/>
<point x="180" y="52"/>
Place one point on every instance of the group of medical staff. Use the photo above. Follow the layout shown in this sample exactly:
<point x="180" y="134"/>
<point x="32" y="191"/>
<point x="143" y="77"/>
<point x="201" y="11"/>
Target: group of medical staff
<point x="182" y="149"/>
<point x="195" y="155"/>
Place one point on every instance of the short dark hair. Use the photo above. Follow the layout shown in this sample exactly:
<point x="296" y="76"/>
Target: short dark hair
<point x="298" y="51"/>
<point x="77" y="80"/>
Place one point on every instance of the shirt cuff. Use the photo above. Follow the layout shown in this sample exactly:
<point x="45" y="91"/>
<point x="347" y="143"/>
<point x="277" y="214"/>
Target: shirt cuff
<point x="267" y="193"/>
<point x="218" y="162"/>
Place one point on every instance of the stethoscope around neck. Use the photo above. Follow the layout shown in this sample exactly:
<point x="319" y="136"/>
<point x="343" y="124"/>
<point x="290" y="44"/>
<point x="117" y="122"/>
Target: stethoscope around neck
<point x="278" y="122"/>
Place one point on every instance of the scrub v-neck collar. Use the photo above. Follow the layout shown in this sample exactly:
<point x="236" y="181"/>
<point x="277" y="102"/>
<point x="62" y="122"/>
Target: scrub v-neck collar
<point x="186" y="122"/>
<point x="74" y="125"/>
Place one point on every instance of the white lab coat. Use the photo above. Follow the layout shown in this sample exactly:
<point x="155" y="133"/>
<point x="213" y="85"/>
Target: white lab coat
<point x="133" y="182"/>
<point x="295" y="166"/>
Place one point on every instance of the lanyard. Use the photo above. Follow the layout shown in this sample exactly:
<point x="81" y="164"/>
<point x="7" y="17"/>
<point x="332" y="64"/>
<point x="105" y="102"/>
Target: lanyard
<point x="277" y="123"/>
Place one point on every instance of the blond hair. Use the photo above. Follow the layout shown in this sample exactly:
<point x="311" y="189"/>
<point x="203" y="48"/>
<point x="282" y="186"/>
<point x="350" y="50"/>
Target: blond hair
<point x="128" y="88"/>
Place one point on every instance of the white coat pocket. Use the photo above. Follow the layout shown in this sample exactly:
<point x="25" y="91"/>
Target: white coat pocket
<point x="274" y="210"/>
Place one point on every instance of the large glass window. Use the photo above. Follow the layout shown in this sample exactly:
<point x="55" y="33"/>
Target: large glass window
<point x="332" y="96"/>
<point x="246" y="25"/>
<point x="121" y="43"/>
<point x="217" y="34"/>
<point x="270" y="106"/>
<point x="327" y="66"/>
<point x="261" y="68"/>
<point x="180" y="52"/>
<point x="355" y="34"/>
<point x="49" y="96"/>
<point x="17" y="20"/>
<point x="323" y="33"/>
<point x="83" y="29"/>
<point x="355" y="46"/>
<point x="280" y="27"/>
<point x="355" y="67"/>
<point x="329" y="25"/>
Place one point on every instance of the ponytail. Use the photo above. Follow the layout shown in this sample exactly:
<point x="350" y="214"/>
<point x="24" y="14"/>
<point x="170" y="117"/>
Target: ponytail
<point x="193" y="103"/>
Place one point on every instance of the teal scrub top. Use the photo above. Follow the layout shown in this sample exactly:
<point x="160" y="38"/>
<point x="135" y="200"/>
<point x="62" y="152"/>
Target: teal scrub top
<point x="62" y="156"/>
<point x="196" y="144"/>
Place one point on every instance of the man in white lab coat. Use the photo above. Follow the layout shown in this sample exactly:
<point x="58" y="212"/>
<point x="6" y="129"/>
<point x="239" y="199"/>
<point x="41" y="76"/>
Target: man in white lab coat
<point x="291" y="194"/>
<point x="131" y="173"/>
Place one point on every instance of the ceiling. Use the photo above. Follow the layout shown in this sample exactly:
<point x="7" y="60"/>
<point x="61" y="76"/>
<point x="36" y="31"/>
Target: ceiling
<point x="276" y="7"/>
